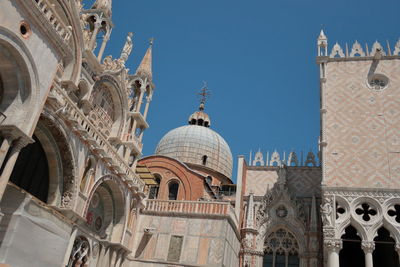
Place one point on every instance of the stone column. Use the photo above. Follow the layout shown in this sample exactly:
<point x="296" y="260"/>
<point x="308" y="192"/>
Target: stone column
<point x="97" y="26"/>
<point x="138" y="106"/>
<point x="5" y="146"/>
<point x="106" y="37"/>
<point x="140" y="100"/>
<point x="332" y="247"/>
<point x="368" y="247"/>
<point x="146" y="109"/>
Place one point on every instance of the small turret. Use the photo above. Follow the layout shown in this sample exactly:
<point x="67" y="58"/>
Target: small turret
<point x="322" y="44"/>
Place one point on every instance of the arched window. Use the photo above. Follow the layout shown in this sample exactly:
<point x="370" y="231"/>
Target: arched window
<point x="103" y="108"/>
<point x="173" y="189"/>
<point x="31" y="171"/>
<point x="281" y="248"/>
<point x="153" y="194"/>
<point x="204" y="160"/>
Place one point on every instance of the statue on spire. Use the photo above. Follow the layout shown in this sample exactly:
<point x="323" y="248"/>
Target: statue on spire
<point x="204" y="95"/>
<point x="104" y="5"/>
<point x="127" y="49"/>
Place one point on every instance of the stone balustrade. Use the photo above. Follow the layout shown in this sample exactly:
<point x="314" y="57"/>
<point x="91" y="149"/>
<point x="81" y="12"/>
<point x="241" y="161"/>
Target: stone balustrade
<point x="47" y="9"/>
<point x="88" y="132"/>
<point x="201" y="208"/>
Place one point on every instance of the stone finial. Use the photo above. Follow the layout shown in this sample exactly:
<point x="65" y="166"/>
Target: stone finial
<point x="310" y="159"/>
<point x="377" y="47"/>
<point x="322" y="43"/>
<point x="396" y="51"/>
<point x="275" y="158"/>
<point x="322" y="36"/>
<point x="337" y="51"/>
<point x="357" y="50"/>
<point x="258" y="158"/>
<point x="292" y="159"/>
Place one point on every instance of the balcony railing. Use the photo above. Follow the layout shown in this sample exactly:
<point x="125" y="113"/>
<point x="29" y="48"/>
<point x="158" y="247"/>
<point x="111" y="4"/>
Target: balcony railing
<point x="201" y="208"/>
<point x="82" y="126"/>
<point x="46" y="7"/>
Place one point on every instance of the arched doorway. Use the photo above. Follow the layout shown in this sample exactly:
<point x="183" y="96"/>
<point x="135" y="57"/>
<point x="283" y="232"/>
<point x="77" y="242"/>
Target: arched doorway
<point x="351" y="254"/>
<point x="31" y="171"/>
<point x="281" y="249"/>
<point x="384" y="253"/>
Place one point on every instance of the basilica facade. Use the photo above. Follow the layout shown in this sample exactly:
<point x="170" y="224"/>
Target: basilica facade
<point x="75" y="189"/>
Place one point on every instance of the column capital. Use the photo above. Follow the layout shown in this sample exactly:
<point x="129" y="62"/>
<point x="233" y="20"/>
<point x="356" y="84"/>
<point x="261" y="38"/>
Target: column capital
<point x="368" y="246"/>
<point x="333" y="244"/>
<point x="15" y="136"/>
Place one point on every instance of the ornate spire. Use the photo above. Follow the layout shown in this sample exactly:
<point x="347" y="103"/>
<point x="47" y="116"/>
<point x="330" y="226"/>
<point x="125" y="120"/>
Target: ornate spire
<point x="322" y="36"/>
<point x="322" y="43"/>
<point x="144" y="68"/>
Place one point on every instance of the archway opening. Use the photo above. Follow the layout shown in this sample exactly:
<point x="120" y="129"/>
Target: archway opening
<point x="154" y="189"/>
<point x="281" y="249"/>
<point x="31" y="171"/>
<point x="384" y="253"/>
<point x="173" y="189"/>
<point x="351" y="254"/>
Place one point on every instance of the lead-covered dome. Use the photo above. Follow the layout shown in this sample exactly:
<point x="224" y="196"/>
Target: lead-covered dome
<point x="197" y="145"/>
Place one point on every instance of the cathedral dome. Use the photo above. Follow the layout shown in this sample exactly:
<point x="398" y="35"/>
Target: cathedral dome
<point x="198" y="145"/>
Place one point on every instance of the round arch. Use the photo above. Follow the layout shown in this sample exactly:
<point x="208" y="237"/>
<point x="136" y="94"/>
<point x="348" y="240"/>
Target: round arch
<point x="20" y="85"/>
<point x="61" y="156"/>
<point x="109" y="190"/>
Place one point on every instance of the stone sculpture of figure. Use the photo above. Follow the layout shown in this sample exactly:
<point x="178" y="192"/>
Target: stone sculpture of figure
<point x="326" y="210"/>
<point x="127" y="49"/>
<point x="104" y="5"/>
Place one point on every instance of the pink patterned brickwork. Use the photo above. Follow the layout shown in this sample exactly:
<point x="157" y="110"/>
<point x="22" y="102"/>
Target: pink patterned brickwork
<point x="361" y="126"/>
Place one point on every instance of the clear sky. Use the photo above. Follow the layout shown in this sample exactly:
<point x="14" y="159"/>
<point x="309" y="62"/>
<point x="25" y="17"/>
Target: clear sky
<point x="258" y="57"/>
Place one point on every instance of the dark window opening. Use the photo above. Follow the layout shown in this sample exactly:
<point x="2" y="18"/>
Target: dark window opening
<point x="154" y="189"/>
<point x="173" y="191"/>
<point x="206" y="124"/>
<point x="31" y="171"/>
<point x="385" y="253"/>
<point x="200" y="122"/>
<point x="193" y="122"/>
<point x="23" y="29"/>
<point x="351" y="255"/>
<point x="204" y="160"/>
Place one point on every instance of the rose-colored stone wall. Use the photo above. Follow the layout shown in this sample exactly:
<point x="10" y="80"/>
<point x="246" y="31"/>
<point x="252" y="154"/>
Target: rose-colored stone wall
<point x="361" y="126"/>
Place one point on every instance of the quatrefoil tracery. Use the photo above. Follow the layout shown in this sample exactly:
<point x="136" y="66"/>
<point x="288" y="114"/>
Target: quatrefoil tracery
<point x="394" y="212"/>
<point x="366" y="211"/>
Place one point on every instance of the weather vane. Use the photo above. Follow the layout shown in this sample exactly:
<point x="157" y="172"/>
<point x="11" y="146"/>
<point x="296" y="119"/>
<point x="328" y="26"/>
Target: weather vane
<point x="204" y="95"/>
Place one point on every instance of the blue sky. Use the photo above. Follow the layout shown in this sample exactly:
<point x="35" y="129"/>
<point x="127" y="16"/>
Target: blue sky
<point x="257" y="56"/>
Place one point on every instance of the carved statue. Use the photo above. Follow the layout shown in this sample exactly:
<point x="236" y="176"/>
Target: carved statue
<point x="127" y="49"/>
<point x="326" y="210"/>
<point x="104" y="5"/>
